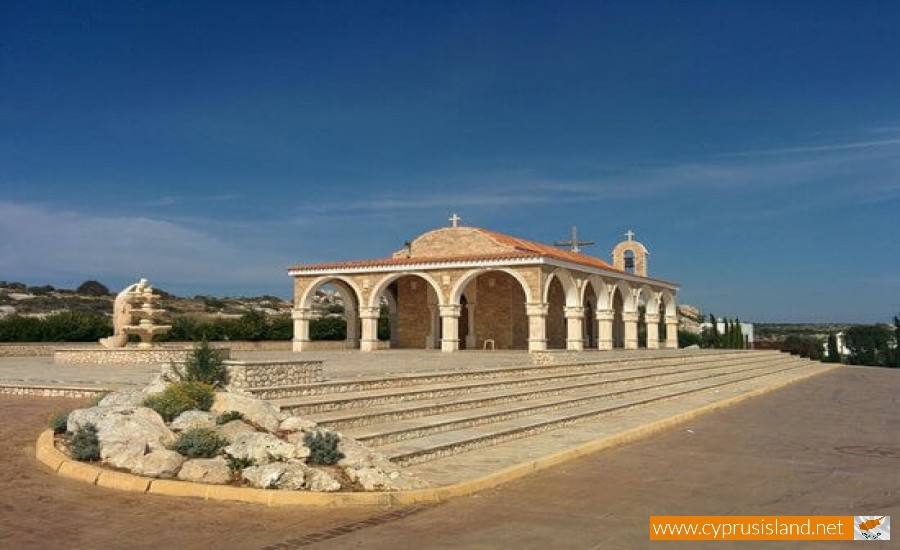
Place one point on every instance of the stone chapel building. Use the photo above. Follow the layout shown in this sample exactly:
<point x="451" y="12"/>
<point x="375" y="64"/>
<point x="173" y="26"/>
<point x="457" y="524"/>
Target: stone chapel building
<point x="470" y="288"/>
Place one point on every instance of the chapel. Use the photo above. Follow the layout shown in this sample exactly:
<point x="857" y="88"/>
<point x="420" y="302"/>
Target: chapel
<point x="470" y="288"/>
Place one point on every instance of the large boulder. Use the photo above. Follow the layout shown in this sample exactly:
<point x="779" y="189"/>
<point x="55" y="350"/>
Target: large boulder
<point x="126" y="435"/>
<point x="206" y="470"/>
<point x="126" y="398"/>
<point x="193" y="419"/>
<point x="320" y="481"/>
<point x="260" y="447"/>
<point x="277" y="475"/>
<point x="357" y="455"/>
<point x="163" y="463"/>
<point x="371" y="479"/>
<point x="297" y="424"/>
<point x="230" y="430"/>
<point x="261" y="413"/>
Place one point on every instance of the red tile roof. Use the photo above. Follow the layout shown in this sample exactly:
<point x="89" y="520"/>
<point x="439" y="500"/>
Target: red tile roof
<point x="519" y="249"/>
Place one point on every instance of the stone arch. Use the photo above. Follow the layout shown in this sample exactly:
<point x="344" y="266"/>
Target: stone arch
<point x="460" y="287"/>
<point x="667" y="302"/>
<point x="378" y="289"/>
<point x="617" y="297"/>
<point x="495" y="309"/>
<point x="415" y="321"/>
<point x="590" y="297"/>
<point x="598" y="285"/>
<point x="570" y="288"/>
<point x="344" y="285"/>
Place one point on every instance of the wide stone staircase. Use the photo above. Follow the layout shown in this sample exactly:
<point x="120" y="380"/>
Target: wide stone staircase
<point x="419" y="417"/>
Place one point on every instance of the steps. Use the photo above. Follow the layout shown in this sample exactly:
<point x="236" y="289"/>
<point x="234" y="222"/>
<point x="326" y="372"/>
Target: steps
<point x="422" y="417"/>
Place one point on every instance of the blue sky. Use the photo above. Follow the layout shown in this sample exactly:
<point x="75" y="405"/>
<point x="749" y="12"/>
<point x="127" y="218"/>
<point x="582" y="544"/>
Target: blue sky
<point x="754" y="147"/>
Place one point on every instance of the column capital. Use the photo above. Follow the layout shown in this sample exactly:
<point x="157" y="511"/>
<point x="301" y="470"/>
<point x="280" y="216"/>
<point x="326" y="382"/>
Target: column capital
<point x="651" y="317"/>
<point x="369" y="312"/>
<point x="573" y="311"/>
<point x="302" y="313"/>
<point x="630" y="316"/>
<point x="451" y="310"/>
<point x="605" y="314"/>
<point x="539" y="309"/>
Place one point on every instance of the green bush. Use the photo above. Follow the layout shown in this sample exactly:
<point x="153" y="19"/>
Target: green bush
<point x="328" y="328"/>
<point x="686" y="339"/>
<point x="83" y="444"/>
<point x="58" y="421"/>
<point x="236" y="464"/>
<point x="205" y="364"/>
<point x="228" y="416"/>
<point x="199" y="443"/>
<point x="323" y="448"/>
<point x="180" y="397"/>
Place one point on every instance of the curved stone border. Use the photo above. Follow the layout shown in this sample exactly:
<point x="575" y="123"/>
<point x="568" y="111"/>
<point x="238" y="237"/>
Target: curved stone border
<point x="47" y="453"/>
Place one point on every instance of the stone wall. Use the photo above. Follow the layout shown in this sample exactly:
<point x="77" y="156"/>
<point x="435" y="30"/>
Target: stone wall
<point x="413" y="313"/>
<point x="50" y="391"/>
<point x="556" y="320"/>
<point x="500" y="312"/>
<point x="46" y="349"/>
<point x="247" y="375"/>
<point x="123" y="356"/>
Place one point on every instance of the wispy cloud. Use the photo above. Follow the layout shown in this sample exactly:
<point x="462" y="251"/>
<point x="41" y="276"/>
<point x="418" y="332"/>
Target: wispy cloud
<point x="813" y="148"/>
<point x="59" y="243"/>
<point x="170" y="200"/>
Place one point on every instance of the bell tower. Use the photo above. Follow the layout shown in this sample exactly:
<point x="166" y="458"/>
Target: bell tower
<point x="630" y="256"/>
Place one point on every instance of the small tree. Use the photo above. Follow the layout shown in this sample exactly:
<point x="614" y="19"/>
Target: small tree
<point x="92" y="288"/>
<point x="205" y="364"/>
<point x="834" y="355"/>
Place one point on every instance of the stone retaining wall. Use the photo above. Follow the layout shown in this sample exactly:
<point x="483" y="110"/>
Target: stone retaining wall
<point x="244" y="376"/>
<point x="46" y="349"/>
<point x="117" y="356"/>
<point x="50" y="391"/>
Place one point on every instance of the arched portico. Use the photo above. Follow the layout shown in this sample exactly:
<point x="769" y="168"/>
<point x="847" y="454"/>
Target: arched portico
<point x="302" y="312"/>
<point x="512" y="293"/>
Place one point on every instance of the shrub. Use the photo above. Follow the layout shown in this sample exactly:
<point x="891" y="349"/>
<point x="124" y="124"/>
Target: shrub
<point x="228" y="416"/>
<point x="58" y="421"/>
<point x="323" y="448"/>
<point x="686" y="339"/>
<point x="83" y="444"/>
<point x="236" y="464"/>
<point x="199" y="443"/>
<point x="180" y="397"/>
<point x="205" y="364"/>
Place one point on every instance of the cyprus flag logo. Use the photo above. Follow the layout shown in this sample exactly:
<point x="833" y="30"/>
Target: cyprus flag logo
<point x="871" y="527"/>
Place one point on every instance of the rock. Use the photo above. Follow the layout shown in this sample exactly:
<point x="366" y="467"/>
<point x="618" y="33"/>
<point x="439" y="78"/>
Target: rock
<point x="127" y="398"/>
<point x="193" y="419"/>
<point x="301" y="450"/>
<point x="79" y="418"/>
<point x="320" y="481"/>
<point x="371" y="479"/>
<point x="280" y="475"/>
<point x="206" y="470"/>
<point x="356" y="455"/>
<point x="297" y="424"/>
<point x="260" y="447"/>
<point x="230" y="430"/>
<point x="255" y="410"/>
<point x="163" y="463"/>
<point x="126" y="435"/>
<point x="157" y="384"/>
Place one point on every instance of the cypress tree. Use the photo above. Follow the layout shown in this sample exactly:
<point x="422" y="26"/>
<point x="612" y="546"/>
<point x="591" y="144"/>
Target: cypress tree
<point x="714" y="340"/>
<point x="834" y="356"/>
<point x="739" y="334"/>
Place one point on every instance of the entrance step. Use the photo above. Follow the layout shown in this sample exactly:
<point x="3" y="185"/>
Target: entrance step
<point x="418" y="418"/>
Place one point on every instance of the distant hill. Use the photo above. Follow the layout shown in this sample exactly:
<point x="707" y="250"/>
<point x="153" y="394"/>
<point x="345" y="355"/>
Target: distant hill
<point x="39" y="301"/>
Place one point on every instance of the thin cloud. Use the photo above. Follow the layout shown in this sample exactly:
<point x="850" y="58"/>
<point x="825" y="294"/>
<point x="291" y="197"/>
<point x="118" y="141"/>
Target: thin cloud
<point x="813" y="148"/>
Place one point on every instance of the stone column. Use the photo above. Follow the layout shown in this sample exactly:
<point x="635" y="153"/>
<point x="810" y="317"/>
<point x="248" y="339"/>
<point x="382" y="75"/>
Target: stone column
<point x="652" y="330"/>
<point x="630" y="318"/>
<point x="352" y="317"/>
<point x="450" y="327"/>
<point x="301" y="317"/>
<point x="605" y="329"/>
<point x="369" y="337"/>
<point x="672" y="332"/>
<point x="471" y="338"/>
<point x="574" y="328"/>
<point x="537" y="325"/>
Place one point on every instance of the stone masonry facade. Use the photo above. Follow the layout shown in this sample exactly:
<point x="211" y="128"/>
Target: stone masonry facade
<point x="469" y="288"/>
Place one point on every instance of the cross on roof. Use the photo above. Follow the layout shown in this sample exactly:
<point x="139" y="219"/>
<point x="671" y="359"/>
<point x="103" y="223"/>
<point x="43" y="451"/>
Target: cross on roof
<point x="454" y="220"/>
<point x="574" y="242"/>
<point x="629" y="235"/>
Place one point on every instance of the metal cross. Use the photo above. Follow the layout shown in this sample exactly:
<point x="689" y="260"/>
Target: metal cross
<point x="454" y="219"/>
<point x="629" y="235"/>
<point x="574" y="242"/>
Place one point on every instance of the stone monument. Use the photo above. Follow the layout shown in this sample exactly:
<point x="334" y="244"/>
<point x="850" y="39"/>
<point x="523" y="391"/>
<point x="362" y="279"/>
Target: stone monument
<point x="134" y="313"/>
